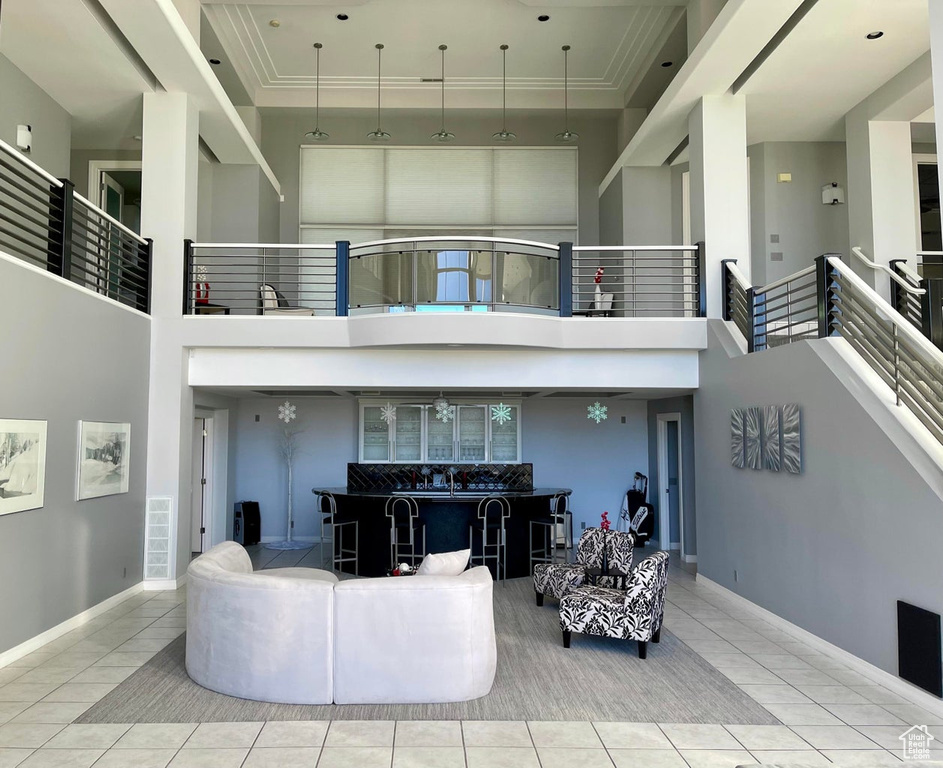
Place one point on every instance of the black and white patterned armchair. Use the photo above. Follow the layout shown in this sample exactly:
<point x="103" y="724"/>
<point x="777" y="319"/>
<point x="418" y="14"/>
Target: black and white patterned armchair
<point x="557" y="579"/>
<point x="635" y="614"/>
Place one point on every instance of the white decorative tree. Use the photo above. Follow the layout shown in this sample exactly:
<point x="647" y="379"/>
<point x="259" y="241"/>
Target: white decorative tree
<point x="288" y="447"/>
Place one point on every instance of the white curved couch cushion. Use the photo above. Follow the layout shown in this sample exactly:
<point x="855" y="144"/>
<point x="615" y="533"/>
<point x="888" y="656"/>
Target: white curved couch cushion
<point x="414" y="639"/>
<point x="268" y="638"/>
<point x="300" y="573"/>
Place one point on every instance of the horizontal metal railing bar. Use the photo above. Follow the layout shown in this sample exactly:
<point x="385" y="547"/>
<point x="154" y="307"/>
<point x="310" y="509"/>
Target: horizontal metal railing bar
<point x="106" y="231"/>
<point x="784" y="280"/>
<point x="18" y="156"/>
<point x="43" y="209"/>
<point x="92" y="208"/>
<point x="642" y="248"/>
<point x="780" y="326"/>
<point x="15" y="177"/>
<point x="454" y="239"/>
<point x="738" y="275"/>
<point x="29" y="191"/>
<point x="793" y="286"/>
<point x="19" y="251"/>
<point x="922" y="401"/>
<point x="779" y="312"/>
<point x="82" y="238"/>
<point x="626" y="262"/>
<point x="28" y="243"/>
<point x="647" y="296"/>
<point x="265" y="246"/>
<point x="27" y="226"/>
<point x="457" y="303"/>
<point x="784" y="299"/>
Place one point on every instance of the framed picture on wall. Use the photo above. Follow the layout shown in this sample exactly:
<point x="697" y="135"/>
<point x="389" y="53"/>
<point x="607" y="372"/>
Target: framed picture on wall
<point x="22" y="465"/>
<point x="104" y="456"/>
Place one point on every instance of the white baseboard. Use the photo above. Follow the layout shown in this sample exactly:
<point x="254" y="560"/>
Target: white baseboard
<point x="876" y="674"/>
<point x="163" y="585"/>
<point x="689" y="558"/>
<point x="34" y="643"/>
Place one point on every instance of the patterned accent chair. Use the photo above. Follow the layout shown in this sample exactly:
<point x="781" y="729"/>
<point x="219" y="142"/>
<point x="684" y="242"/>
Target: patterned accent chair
<point x="636" y="614"/>
<point x="557" y="579"/>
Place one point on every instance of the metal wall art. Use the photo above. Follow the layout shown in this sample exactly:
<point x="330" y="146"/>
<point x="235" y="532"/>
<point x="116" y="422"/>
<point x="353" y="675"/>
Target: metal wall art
<point x="792" y="439"/>
<point x="772" y="438"/>
<point x="736" y="437"/>
<point x="751" y="438"/>
<point x="766" y="438"/>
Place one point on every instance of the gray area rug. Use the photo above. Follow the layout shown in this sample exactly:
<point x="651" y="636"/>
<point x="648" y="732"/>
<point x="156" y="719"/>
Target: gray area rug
<point x="537" y="679"/>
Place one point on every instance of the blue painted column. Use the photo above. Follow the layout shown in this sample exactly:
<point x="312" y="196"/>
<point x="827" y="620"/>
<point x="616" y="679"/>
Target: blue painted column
<point x="342" y="282"/>
<point x="566" y="279"/>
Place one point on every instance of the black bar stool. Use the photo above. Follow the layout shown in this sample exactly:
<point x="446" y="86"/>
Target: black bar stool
<point x="327" y="507"/>
<point x="405" y="530"/>
<point x="493" y="511"/>
<point x="548" y="533"/>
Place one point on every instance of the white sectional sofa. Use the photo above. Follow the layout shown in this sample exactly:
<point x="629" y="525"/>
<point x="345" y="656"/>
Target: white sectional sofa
<point x="298" y="636"/>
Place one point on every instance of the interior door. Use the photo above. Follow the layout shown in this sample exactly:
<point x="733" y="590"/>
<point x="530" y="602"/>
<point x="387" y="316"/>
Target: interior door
<point x="198" y="486"/>
<point x="674" y="497"/>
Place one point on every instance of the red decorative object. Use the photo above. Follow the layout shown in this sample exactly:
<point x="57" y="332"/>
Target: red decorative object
<point x="598" y="278"/>
<point x="604" y="524"/>
<point x="202" y="293"/>
<point x="396" y="571"/>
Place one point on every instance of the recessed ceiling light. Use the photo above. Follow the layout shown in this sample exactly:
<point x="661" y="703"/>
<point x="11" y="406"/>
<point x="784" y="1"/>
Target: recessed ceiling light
<point x="543" y="17"/>
<point x="667" y="64"/>
<point x="275" y="23"/>
<point x="874" y="35"/>
<point x="215" y="62"/>
<point x="342" y="17"/>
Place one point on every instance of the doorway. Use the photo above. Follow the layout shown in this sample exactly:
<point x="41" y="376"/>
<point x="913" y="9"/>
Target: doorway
<point x="927" y="200"/>
<point x="670" y="495"/>
<point x="115" y="187"/>
<point x="201" y="486"/>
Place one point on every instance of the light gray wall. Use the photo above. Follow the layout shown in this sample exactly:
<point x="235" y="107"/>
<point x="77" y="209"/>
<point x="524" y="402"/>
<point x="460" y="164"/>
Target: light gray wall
<point x="566" y="448"/>
<point x="685" y="406"/>
<point x="283" y="133"/>
<point x="22" y="101"/>
<point x="831" y="549"/>
<point x="794" y="210"/>
<point x="647" y="215"/>
<point x="610" y="213"/>
<point x="68" y="356"/>
<point x="80" y="159"/>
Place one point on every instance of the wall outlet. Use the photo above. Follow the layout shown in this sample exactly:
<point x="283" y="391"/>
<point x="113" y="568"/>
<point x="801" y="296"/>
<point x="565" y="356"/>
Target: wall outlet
<point x="736" y="575"/>
<point x="125" y="574"/>
<point x="776" y="256"/>
<point x="582" y="526"/>
<point x="257" y="417"/>
<point x="623" y="419"/>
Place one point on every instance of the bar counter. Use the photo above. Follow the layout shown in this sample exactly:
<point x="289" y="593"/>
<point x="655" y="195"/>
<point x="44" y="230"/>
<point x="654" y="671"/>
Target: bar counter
<point x="447" y="517"/>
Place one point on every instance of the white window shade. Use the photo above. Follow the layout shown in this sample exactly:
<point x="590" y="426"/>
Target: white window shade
<point x="341" y="185"/>
<point x="535" y="187"/>
<point x="438" y="186"/>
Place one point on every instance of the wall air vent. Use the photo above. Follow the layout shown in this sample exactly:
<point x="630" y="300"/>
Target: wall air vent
<point x="430" y="79"/>
<point x="158" y="535"/>
<point x="296" y="393"/>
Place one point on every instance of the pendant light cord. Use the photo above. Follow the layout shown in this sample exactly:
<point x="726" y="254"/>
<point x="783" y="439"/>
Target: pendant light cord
<point x="566" y="98"/>
<point x="379" y="69"/>
<point x="504" y="89"/>
<point x="442" y="51"/>
<point x="317" y="97"/>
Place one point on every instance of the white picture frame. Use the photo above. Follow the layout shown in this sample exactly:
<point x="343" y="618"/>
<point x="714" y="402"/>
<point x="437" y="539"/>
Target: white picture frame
<point x="22" y="465"/>
<point x="103" y="459"/>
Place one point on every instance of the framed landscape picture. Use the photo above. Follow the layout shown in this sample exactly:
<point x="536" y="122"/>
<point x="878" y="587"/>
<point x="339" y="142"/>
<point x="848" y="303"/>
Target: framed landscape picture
<point x="22" y="465"/>
<point x="103" y="461"/>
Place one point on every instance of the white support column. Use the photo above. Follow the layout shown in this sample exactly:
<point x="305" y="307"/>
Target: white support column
<point x="936" y="58"/>
<point x="720" y="207"/>
<point x="881" y="215"/>
<point x="170" y="162"/>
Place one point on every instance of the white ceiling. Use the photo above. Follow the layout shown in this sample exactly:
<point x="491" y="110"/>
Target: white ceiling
<point x="65" y="50"/>
<point x="613" y="44"/>
<point x="827" y="66"/>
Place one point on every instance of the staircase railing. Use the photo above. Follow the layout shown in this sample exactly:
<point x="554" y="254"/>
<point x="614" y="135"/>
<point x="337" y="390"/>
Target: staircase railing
<point x="829" y="299"/>
<point x="44" y="222"/>
<point x="919" y="297"/>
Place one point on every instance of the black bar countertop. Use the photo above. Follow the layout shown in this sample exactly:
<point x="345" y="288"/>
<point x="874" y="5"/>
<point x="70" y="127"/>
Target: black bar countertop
<point x="447" y="519"/>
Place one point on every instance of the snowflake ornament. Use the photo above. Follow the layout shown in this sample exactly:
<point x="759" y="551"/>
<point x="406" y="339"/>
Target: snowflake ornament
<point x="287" y="412"/>
<point x="445" y="412"/>
<point x="388" y="413"/>
<point x="201" y="273"/>
<point x="501" y="413"/>
<point x="597" y="412"/>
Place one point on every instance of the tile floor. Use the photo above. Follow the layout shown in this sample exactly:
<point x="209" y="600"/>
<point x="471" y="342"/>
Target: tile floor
<point x="830" y="714"/>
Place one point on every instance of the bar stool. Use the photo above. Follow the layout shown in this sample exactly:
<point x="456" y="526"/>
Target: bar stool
<point x="405" y="529"/>
<point x="493" y="511"/>
<point x="548" y="532"/>
<point x="327" y="507"/>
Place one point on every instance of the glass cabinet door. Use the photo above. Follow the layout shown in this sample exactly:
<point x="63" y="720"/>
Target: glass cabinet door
<point x="472" y="432"/>
<point x="376" y="435"/>
<point x="408" y="433"/>
<point x="505" y="430"/>
<point x="440" y="438"/>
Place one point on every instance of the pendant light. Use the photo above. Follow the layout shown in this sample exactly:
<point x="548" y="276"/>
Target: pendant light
<point x="442" y="134"/>
<point x="567" y="135"/>
<point x="504" y="134"/>
<point x="379" y="134"/>
<point x="317" y="134"/>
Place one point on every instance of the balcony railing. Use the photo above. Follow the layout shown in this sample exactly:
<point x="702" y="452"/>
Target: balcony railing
<point x="46" y="223"/>
<point x="443" y="274"/>
<point x="829" y="299"/>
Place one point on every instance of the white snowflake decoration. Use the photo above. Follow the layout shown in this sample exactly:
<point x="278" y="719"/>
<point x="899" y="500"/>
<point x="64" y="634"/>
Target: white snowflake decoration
<point x="444" y="412"/>
<point x="501" y="413"/>
<point x="388" y="413"/>
<point x="201" y="273"/>
<point x="287" y="412"/>
<point x="597" y="412"/>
